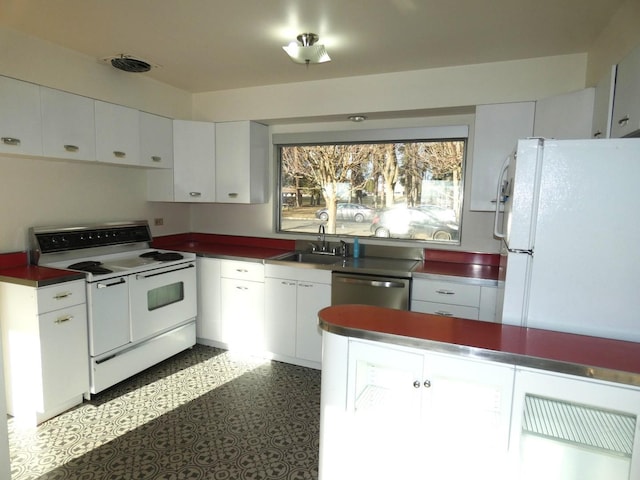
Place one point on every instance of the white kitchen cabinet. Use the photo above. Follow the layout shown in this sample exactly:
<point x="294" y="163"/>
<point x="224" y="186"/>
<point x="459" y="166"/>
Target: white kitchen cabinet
<point x="208" y="321"/>
<point x="453" y="299"/>
<point x="603" y="105"/>
<point x="293" y="297"/>
<point x="117" y="134"/>
<point x="194" y="161"/>
<point x="68" y="125"/>
<point x="436" y="407"/>
<point x="497" y="130"/>
<point x="156" y="141"/>
<point x="242" y="162"/>
<point x="20" y="118"/>
<point x="626" y="103"/>
<point x="565" y="116"/>
<point x="572" y="428"/>
<point x="46" y="355"/>
<point x="242" y="305"/>
<point x="5" y="467"/>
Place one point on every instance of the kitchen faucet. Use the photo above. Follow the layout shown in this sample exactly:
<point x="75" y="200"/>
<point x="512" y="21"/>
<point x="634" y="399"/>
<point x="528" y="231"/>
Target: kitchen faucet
<point x="321" y="237"/>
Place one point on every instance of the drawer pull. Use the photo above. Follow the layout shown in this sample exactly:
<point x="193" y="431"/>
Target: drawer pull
<point x="233" y="195"/>
<point x="242" y="288"/>
<point x="289" y="284"/>
<point x="445" y="292"/>
<point x="61" y="296"/>
<point x="156" y="158"/>
<point x="71" y="148"/>
<point x="194" y="194"/>
<point x="443" y="313"/>
<point x="623" y="121"/>
<point x="66" y="318"/>
<point x="14" y="142"/>
<point x="242" y="270"/>
<point x="119" y="154"/>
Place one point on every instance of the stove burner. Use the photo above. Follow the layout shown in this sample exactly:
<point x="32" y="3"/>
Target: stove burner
<point x="90" y="266"/>
<point x="163" y="256"/>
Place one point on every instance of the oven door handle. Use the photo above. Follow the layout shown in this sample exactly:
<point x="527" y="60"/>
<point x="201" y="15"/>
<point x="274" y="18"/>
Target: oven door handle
<point x="143" y="276"/>
<point x="107" y="285"/>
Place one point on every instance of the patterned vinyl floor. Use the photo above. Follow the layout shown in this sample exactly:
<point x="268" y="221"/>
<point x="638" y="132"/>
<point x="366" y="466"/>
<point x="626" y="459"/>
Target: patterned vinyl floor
<point x="202" y="414"/>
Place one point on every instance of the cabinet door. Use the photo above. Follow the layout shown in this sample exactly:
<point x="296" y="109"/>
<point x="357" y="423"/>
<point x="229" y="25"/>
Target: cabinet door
<point x="312" y="297"/>
<point x="570" y="428"/>
<point x="20" y="119"/>
<point x="208" y="323"/>
<point x="65" y="357"/>
<point x="156" y="141"/>
<point x="566" y="116"/>
<point x="626" y="103"/>
<point x="117" y="134"/>
<point x="241" y="162"/>
<point x="603" y="105"/>
<point x="280" y="316"/>
<point x="242" y="308"/>
<point x="68" y="125"/>
<point x="194" y="145"/>
<point x="497" y="130"/>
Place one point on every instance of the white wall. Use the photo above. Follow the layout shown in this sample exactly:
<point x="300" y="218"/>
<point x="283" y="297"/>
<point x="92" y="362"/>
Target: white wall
<point x="35" y="192"/>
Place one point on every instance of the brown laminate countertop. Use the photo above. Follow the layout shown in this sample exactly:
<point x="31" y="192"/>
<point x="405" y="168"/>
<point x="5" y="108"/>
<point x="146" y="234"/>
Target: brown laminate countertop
<point x="591" y="357"/>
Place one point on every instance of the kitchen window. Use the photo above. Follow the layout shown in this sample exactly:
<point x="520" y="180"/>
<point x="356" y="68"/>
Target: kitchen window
<point x="394" y="184"/>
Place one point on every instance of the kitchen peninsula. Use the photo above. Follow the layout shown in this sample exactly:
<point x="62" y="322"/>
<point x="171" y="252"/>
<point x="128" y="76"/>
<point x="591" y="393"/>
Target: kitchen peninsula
<point x="413" y="395"/>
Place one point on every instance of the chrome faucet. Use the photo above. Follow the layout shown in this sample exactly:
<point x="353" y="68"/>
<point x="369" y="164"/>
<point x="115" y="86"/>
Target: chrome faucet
<point x="321" y="237"/>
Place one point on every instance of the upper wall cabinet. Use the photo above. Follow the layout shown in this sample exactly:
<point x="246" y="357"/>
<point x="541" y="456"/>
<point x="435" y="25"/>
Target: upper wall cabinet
<point x="194" y="161"/>
<point x="117" y="134"/>
<point x="20" y="119"/>
<point x="603" y="105"/>
<point x="242" y="162"/>
<point x="497" y="130"/>
<point x="566" y="116"/>
<point x="68" y="125"/>
<point x="626" y="103"/>
<point x="156" y="141"/>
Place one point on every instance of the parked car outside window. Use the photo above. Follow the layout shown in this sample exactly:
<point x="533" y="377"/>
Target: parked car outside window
<point x="353" y="212"/>
<point x="407" y="222"/>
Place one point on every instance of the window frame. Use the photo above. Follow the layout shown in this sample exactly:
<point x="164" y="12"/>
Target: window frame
<point x="383" y="135"/>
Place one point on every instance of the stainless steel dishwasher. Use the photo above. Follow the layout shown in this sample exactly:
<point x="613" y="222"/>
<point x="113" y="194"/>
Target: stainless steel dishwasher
<point x="364" y="289"/>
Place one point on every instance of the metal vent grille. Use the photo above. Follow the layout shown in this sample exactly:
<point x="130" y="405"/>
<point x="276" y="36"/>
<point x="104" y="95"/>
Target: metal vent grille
<point x="611" y="432"/>
<point x="129" y="64"/>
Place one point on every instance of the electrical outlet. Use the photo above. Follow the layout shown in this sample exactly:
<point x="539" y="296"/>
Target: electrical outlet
<point x="158" y="221"/>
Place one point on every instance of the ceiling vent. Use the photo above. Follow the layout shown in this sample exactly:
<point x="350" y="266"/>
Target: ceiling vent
<point x="129" y="63"/>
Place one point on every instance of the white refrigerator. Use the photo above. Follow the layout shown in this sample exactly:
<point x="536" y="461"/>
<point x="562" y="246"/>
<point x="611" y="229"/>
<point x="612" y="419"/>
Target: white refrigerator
<point x="570" y="231"/>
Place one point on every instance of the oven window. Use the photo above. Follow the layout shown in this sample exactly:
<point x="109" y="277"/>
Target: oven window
<point x="165" y="295"/>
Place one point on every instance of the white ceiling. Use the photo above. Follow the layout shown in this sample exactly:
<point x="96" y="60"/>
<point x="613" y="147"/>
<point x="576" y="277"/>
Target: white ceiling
<point x="206" y="45"/>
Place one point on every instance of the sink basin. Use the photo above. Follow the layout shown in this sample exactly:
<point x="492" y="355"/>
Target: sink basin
<point x="316" y="258"/>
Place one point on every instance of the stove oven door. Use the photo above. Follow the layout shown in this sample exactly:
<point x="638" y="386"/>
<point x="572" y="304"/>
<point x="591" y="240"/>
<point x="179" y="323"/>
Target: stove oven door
<point x="162" y="299"/>
<point x="109" y="326"/>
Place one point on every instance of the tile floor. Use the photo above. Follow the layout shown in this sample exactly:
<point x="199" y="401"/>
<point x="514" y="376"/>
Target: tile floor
<point x="203" y="414"/>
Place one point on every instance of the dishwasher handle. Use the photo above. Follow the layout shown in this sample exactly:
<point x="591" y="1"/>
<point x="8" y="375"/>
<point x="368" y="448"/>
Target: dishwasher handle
<point x="370" y="283"/>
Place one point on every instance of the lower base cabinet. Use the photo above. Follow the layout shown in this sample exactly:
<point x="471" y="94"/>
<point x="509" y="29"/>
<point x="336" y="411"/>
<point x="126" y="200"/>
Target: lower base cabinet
<point x="293" y="297"/>
<point x="389" y="411"/>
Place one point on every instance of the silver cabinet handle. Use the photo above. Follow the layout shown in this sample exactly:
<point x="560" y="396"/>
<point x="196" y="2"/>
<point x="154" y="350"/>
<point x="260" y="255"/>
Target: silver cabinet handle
<point x="242" y="270"/>
<point x="305" y="285"/>
<point x="443" y="313"/>
<point x="194" y="194"/>
<point x="242" y="288"/>
<point x="14" y="142"/>
<point x="597" y="134"/>
<point x="62" y="295"/>
<point x="623" y="121"/>
<point x="156" y="158"/>
<point x="289" y="284"/>
<point x="60" y="320"/>
<point x="119" y="154"/>
<point x="442" y="291"/>
<point x="427" y="384"/>
<point x="416" y="384"/>
<point x="71" y="148"/>
<point x="233" y="195"/>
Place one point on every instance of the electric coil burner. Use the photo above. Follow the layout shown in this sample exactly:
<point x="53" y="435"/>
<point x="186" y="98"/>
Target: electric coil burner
<point x="141" y="302"/>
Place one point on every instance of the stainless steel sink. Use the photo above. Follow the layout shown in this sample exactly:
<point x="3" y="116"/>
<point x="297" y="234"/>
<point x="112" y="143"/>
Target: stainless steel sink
<point x="314" y="258"/>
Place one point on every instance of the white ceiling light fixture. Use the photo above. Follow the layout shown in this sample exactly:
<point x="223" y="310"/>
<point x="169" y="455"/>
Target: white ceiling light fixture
<point x="307" y="51"/>
<point x="357" y="118"/>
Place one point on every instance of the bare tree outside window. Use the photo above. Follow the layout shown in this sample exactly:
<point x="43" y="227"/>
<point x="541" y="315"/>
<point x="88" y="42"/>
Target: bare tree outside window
<point x="410" y="190"/>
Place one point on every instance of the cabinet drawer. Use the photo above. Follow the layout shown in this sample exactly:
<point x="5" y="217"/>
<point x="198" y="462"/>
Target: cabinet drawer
<point x="242" y="270"/>
<point x="61" y="295"/>
<point x="446" y="292"/>
<point x="444" y="309"/>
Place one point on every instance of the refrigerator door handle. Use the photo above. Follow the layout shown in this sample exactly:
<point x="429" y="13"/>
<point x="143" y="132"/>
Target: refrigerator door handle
<point x="499" y="196"/>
